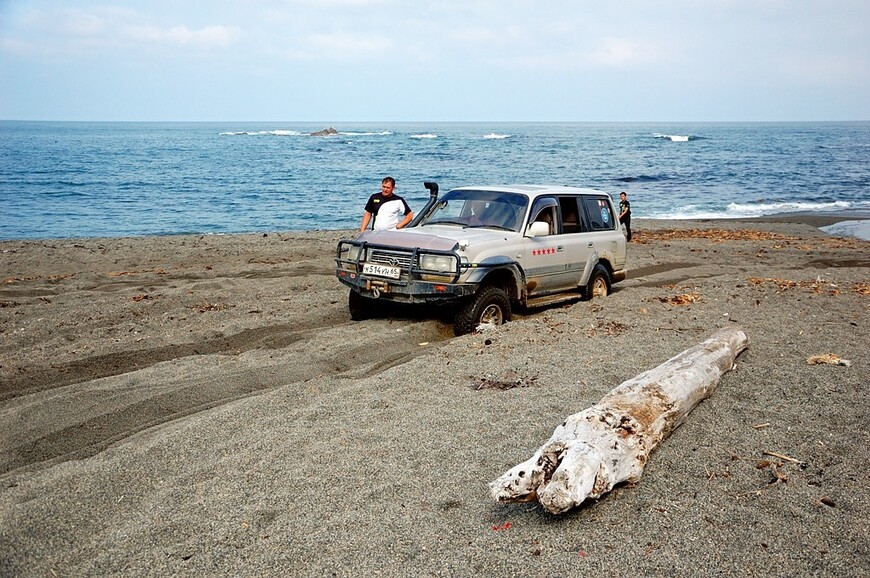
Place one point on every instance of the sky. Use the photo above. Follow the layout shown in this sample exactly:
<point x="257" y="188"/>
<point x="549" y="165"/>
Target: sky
<point x="447" y="60"/>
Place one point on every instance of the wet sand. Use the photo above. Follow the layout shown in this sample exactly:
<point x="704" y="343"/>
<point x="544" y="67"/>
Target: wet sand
<point x="203" y="405"/>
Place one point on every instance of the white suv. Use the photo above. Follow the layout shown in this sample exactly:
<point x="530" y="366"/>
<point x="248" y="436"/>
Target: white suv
<point x="484" y="249"/>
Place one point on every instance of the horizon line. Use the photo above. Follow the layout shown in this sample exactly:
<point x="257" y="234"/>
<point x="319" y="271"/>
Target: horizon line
<point x="493" y="121"/>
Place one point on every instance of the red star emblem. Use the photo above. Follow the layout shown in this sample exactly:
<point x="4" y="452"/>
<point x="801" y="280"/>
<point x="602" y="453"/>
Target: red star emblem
<point x="547" y="251"/>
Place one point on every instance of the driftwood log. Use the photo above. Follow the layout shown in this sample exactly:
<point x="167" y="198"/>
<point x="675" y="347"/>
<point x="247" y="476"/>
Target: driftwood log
<point x="610" y="442"/>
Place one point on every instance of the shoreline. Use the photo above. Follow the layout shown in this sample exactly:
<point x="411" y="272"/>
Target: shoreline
<point x="850" y="223"/>
<point x="818" y="219"/>
<point x="203" y="405"/>
<point x="815" y="219"/>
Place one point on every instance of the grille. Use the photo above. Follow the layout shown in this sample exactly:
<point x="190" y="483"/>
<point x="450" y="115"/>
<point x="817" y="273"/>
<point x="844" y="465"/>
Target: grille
<point x="393" y="258"/>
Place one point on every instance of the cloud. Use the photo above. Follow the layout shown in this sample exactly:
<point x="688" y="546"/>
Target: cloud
<point x="15" y="47"/>
<point x="78" y="32"/>
<point x="607" y="54"/>
<point x="205" y="38"/>
<point x="620" y="53"/>
<point x="822" y="70"/>
<point x="74" y="23"/>
<point x="341" y="3"/>
<point x="341" y="47"/>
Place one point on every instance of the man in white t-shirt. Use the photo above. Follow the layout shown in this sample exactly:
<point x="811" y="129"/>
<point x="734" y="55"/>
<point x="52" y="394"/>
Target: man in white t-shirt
<point x="389" y="209"/>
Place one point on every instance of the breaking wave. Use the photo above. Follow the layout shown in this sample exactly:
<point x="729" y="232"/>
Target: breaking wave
<point x="381" y="133"/>
<point x="263" y="132"/>
<point x="674" y="137"/>
<point x="747" y="210"/>
<point x="493" y="135"/>
<point x="281" y="132"/>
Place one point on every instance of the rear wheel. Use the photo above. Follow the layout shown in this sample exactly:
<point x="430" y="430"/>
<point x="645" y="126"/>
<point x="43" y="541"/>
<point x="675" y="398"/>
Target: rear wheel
<point x="489" y="306"/>
<point x="360" y="307"/>
<point x="599" y="283"/>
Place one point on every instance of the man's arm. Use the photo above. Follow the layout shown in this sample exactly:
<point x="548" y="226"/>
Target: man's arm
<point x="408" y="218"/>
<point x="365" y="222"/>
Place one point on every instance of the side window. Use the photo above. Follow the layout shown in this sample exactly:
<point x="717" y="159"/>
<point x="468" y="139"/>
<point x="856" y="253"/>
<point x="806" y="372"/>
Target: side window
<point x="571" y="222"/>
<point x="600" y="215"/>
<point x="544" y="209"/>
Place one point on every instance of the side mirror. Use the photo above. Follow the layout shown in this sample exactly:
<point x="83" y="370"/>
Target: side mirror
<point x="538" y="229"/>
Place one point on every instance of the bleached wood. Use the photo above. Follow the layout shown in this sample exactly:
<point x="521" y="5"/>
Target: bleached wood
<point x="610" y="442"/>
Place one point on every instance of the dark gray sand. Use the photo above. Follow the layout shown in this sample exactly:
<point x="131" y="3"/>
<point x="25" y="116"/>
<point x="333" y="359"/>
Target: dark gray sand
<point x="203" y="405"/>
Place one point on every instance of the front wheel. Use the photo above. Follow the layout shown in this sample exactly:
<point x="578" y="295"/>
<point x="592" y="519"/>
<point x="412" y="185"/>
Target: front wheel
<point x="489" y="306"/>
<point x="599" y="283"/>
<point x="361" y="308"/>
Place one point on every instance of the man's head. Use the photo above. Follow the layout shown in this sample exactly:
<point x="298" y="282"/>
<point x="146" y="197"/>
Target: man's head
<point x="622" y="196"/>
<point x="387" y="186"/>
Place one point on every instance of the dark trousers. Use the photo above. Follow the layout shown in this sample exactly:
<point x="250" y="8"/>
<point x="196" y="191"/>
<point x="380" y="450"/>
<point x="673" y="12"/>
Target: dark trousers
<point x="626" y="220"/>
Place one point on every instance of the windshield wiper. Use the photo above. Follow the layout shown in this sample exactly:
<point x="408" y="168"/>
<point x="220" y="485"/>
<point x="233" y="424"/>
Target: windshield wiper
<point x="460" y="223"/>
<point x="490" y="227"/>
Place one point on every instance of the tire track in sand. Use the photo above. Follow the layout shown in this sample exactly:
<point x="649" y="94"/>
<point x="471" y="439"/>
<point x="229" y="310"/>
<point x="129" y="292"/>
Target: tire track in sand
<point x="85" y="420"/>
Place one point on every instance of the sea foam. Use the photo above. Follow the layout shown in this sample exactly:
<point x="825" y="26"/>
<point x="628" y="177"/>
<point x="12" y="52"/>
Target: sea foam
<point x="673" y="137"/>
<point x="753" y="210"/>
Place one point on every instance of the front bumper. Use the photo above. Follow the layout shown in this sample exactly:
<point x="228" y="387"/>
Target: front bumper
<point x="414" y="283"/>
<point x="404" y="292"/>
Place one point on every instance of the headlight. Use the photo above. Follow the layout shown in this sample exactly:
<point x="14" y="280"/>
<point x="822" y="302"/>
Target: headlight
<point x="442" y="263"/>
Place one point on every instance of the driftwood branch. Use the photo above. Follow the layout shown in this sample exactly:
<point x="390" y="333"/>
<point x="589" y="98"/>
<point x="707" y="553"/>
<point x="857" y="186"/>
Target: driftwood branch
<point x="610" y="442"/>
<point x="784" y="458"/>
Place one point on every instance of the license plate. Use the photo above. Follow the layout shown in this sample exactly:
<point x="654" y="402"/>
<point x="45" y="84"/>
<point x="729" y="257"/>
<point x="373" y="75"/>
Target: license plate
<point x="382" y="270"/>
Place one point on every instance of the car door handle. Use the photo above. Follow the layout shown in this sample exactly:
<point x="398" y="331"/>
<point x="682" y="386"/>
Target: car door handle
<point x="591" y="245"/>
<point x="559" y="248"/>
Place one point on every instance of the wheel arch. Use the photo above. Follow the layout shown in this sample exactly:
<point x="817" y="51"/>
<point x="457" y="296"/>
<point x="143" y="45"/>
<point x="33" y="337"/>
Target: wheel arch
<point x="508" y="276"/>
<point x="607" y="265"/>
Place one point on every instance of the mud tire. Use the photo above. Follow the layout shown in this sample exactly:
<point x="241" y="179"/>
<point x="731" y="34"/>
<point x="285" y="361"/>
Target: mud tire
<point x="599" y="283"/>
<point x="489" y="305"/>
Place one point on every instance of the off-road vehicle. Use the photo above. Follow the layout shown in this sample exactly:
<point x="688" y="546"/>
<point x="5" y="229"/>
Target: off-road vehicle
<point x="482" y="250"/>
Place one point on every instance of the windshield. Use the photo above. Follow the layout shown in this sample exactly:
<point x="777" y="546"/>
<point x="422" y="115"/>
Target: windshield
<point x="468" y="208"/>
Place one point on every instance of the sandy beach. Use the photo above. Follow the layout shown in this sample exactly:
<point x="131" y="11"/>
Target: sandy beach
<point x="203" y="405"/>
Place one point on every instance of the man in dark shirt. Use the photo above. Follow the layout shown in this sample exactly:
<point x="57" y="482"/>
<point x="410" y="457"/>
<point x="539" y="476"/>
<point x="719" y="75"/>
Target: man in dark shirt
<point x="389" y="209"/>
<point x="625" y="214"/>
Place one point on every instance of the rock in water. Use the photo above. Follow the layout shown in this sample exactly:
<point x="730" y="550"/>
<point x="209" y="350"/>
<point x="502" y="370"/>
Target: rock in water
<point x="325" y="132"/>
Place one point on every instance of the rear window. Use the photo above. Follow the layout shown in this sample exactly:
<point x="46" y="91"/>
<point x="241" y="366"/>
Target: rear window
<point x="600" y="215"/>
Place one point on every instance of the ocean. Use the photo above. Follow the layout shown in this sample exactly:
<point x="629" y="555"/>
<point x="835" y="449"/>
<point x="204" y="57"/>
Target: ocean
<point x="106" y="179"/>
